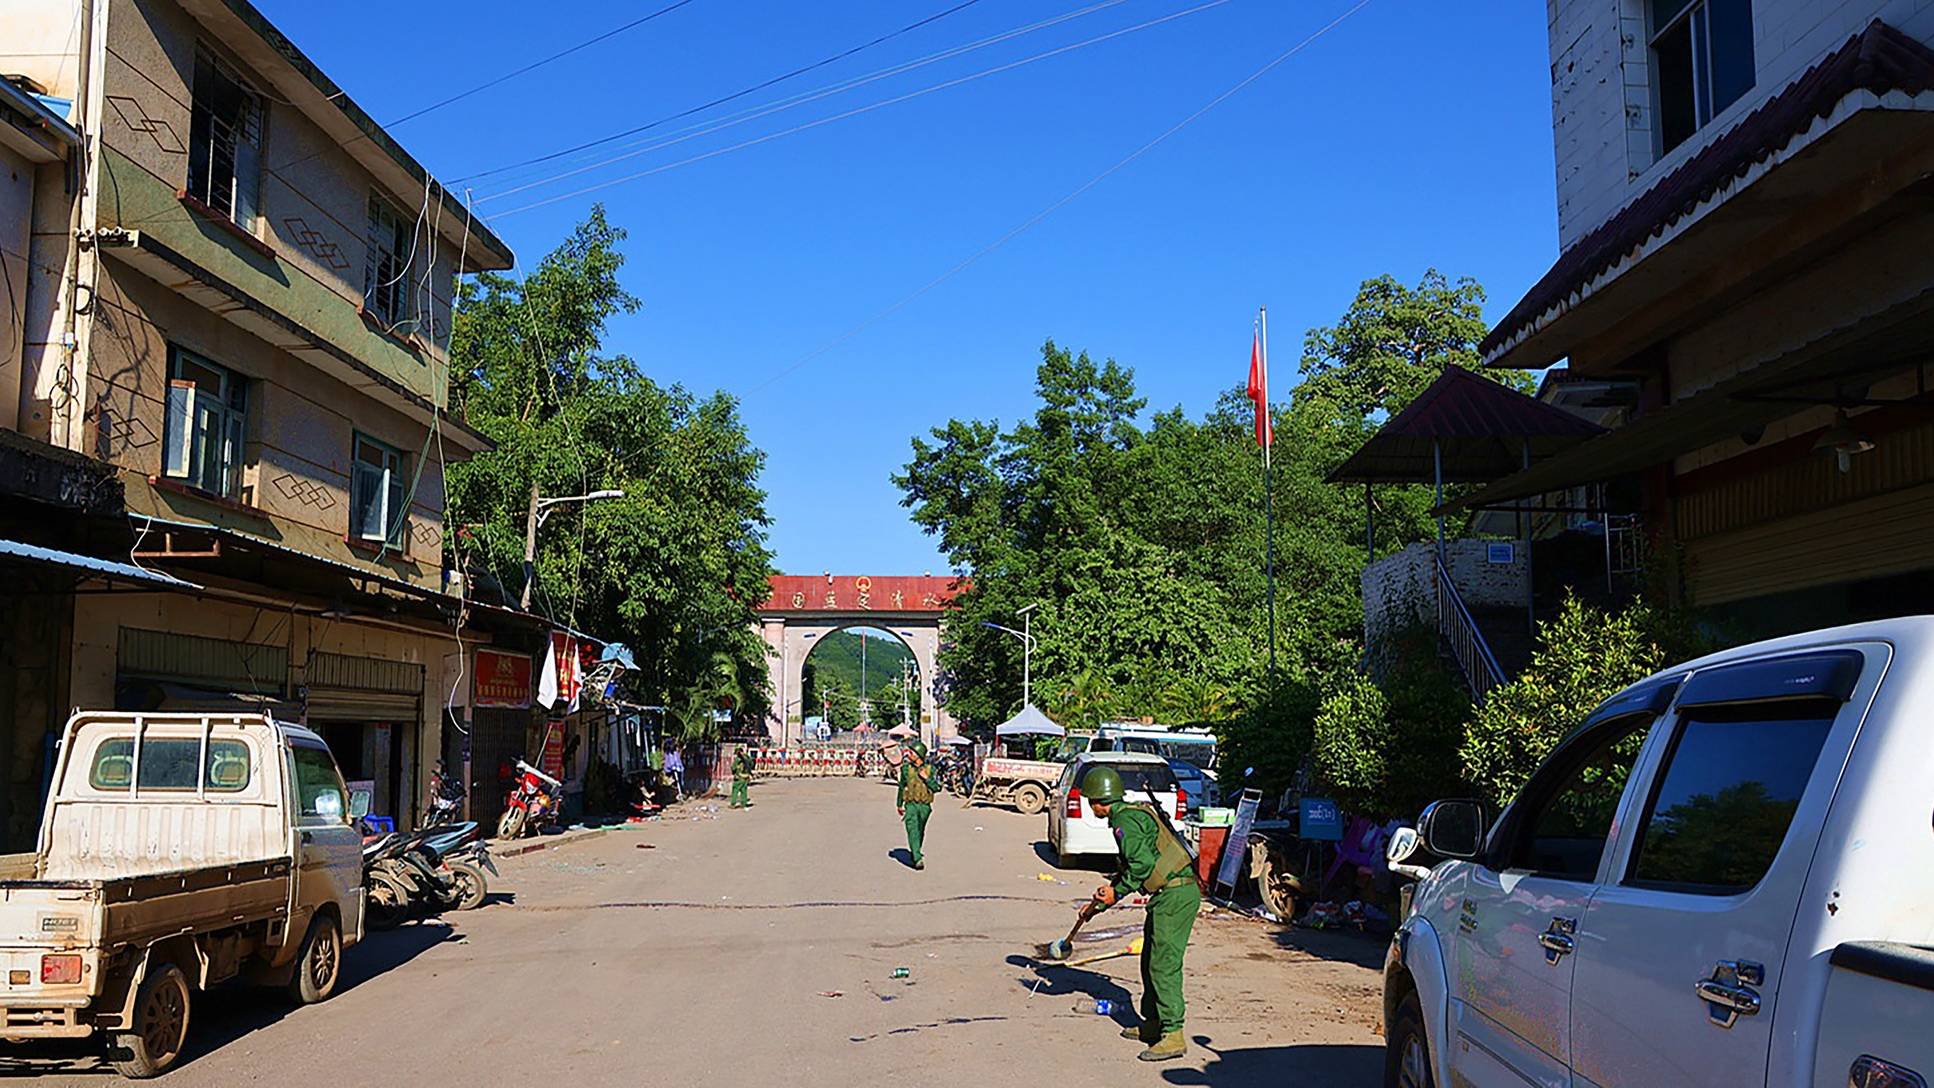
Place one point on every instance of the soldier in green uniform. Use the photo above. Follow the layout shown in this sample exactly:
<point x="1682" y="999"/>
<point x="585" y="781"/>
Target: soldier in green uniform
<point x="741" y="778"/>
<point x="915" y="800"/>
<point x="1154" y="860"/>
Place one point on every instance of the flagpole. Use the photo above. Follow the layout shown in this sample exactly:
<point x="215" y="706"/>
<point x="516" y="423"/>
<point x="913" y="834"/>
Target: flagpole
<point x="1268" y="494"/>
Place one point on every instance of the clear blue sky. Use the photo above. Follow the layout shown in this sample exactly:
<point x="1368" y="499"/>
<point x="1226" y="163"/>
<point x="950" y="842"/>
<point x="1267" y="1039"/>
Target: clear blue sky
<point x="1414" y="134"/>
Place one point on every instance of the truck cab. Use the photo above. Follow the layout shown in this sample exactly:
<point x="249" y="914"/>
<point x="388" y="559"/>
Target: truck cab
<point x="1686" y="889"/>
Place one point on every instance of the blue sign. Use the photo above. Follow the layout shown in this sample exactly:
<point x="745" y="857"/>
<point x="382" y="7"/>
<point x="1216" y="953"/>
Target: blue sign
<point x="1320" y="820"/>
<point x="1503" y="554"/>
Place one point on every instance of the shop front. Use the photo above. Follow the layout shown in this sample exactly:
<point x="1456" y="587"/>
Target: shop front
<point x="370" y="712"/>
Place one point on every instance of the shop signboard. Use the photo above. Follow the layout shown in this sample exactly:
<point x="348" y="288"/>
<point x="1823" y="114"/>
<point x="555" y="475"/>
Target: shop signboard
<point x="503" y="680"/>
<point x="552" y="761"/>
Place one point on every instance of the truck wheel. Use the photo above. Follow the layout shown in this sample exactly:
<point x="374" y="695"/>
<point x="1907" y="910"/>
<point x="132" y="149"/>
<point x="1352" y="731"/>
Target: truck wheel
<point x="1030" y="799"/>
<point x="1406" y="1054"/>
<point x="469" y="886"/>
<point x="319" y="964"/>
<point x="511" y="826"/>
<point x="160" y="1025"/>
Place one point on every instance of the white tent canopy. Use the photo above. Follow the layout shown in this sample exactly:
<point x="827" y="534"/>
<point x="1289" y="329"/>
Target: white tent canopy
<point x="1030" y="722"/>
<point x="902" y="730"/>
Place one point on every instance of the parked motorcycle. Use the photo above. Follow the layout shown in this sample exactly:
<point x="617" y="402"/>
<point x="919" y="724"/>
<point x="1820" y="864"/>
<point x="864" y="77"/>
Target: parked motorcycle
<point x="434" y="869"/>
<point x="533" y="801"/>
<point x="446" y="799"/>
<point x="387" y="887"/>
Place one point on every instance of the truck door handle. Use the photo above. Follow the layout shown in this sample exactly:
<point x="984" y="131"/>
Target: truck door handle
<point x="1557" y="940"/>
<point x="1728" y="994"/>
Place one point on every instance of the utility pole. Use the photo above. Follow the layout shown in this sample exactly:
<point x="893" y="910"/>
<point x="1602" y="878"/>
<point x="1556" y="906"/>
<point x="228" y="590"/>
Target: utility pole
<point x="530" y="551"/>
<point x="1027" y="655"/>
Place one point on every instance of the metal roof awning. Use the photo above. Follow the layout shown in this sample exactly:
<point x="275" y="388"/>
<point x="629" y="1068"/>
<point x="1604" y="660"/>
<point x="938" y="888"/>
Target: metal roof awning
<point x="1469" y="428"/>
<point x="1837" y="369"/>
<point x="91" y="566"/>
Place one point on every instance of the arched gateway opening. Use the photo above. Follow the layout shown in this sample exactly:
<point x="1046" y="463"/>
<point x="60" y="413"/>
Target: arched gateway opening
<point x="804" y="608"/>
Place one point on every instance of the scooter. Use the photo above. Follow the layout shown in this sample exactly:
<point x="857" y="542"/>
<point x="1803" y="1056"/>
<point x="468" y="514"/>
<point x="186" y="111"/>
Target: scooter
<point x="446" y="799"/>
<point x="446" y="866"/>
<point x="533" y="800"/>
<point x="388" y="887"/>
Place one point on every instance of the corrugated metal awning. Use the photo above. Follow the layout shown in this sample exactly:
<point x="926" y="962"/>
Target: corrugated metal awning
<point x="92" y="565"/>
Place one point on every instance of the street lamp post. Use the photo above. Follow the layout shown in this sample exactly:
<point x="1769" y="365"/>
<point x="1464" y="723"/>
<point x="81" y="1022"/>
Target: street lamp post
<point x="540" y="509"/>
<point x="1026" y="635"/>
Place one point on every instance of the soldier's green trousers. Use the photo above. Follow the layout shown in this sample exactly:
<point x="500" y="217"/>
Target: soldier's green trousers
<point x="1165" y="937"/>
<point x="739" y="798"/>
<point x="916" y="818"/>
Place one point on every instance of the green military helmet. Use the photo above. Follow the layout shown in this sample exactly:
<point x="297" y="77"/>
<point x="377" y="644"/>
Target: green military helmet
<point x="919" y="748"/>
<point x="1103" y="784"/>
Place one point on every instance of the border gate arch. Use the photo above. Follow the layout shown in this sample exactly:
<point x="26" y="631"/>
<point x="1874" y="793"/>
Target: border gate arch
<point x="804" y="608"/>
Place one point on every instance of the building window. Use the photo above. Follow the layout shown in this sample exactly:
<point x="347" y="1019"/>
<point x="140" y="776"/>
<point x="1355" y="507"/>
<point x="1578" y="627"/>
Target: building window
<point x="1702" y="62"/>
<point x="386" y="280"/>
<point x="225" y="141"/>
<point x="207" y="413"/>
<point x="376" y="508"/>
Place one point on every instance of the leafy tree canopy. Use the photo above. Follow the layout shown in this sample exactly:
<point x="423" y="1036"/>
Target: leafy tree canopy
<point x="675" y="567"/>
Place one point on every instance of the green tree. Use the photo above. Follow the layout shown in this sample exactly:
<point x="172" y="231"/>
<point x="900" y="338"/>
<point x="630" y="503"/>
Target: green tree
<point x="675" y="567"/>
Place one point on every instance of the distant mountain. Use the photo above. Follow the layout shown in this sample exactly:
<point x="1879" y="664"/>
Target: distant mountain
<point x="837" y="658"/>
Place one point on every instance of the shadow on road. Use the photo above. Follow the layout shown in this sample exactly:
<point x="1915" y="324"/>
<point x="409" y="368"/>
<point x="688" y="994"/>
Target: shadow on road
<point x="902" y="855"/>
<point x="1337" y="945"/>
<point x="228" y="1013"/>
<point x="1060" y="980"/>
<point x="1096" y="863"/>
<point x="1309" y="1065"/>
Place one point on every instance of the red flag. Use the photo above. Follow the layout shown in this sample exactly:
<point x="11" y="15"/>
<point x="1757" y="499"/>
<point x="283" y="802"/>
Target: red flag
<point x="1259" y="393"/>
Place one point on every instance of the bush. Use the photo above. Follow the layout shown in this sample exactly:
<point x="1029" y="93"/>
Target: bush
<point x="1584" y="656"/>
<point x="1388" y="748"/>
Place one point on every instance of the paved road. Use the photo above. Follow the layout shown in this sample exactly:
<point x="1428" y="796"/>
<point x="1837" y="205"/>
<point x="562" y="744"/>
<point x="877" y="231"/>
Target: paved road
<point x="696" y="951"/>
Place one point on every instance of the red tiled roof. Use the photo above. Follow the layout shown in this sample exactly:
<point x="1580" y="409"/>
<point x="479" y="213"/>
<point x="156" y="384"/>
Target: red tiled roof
<point x="1879" y="59"/>
<point x="1480" y="426"/>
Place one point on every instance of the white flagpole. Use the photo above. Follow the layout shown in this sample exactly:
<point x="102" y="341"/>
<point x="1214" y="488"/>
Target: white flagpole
<point x="1268" y="492"/>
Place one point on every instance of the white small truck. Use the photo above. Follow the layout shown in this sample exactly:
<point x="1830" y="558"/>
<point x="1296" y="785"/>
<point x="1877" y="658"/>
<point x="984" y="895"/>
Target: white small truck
<point x="176" y="851"/>
<point x="1723" y="876"/>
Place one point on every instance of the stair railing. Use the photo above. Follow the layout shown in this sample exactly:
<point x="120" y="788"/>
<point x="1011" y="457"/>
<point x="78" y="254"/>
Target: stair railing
<point x="1460" y="632"/>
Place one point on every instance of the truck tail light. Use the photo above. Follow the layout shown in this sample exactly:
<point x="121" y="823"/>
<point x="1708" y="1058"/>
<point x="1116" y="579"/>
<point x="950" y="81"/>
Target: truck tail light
<point x="1181" y="803"/>
<point x="63" y="969"/>
<point x="1074" y="802"/>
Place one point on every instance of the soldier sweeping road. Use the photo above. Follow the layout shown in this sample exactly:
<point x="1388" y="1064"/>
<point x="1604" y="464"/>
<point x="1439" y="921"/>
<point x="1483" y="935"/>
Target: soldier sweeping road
<point x="741" y="778"/>
<point x="915" y="800"/>
<point x="1156" y="861"/>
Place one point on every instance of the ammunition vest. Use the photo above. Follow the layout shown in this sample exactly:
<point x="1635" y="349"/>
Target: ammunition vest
<point x="1173" y="862"/>
<point x="916" y="791"/>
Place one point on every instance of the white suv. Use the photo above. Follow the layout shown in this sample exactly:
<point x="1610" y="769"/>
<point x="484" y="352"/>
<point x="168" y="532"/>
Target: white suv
<point x="1075" y="829"/>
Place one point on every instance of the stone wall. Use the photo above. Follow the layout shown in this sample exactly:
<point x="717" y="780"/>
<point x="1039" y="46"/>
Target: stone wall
<point x="1400" y="589"/>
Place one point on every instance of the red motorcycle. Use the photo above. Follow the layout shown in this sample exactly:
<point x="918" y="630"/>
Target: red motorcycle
<point x="533" y="802"/>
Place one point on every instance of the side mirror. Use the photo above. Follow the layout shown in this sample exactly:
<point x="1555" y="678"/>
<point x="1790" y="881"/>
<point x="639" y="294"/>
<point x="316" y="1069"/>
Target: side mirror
<point x="358" y="804"/>
<point x="1402" y="844"/>
<point x="1453" y="829"/>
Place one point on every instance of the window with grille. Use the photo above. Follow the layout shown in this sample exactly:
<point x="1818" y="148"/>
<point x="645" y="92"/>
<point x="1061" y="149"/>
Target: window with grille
<point x="1702" y="62"/>
<point x="225" y="141"/>
<point x="206" y="424"/>
<point x="386" y="272"/>
<point x="376" y="498"/>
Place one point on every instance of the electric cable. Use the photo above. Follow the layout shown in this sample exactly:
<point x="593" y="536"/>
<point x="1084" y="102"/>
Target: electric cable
<point x="1035" y="219"/>
<point x="753" y="113"/>
<point x="858" y="110"/>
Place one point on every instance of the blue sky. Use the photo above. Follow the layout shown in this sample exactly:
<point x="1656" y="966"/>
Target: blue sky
<point x="1413" y="134"/>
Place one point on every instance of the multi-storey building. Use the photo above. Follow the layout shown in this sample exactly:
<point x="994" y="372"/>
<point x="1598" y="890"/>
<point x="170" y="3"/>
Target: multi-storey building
<point x="232" y="296"/>
<point x="1747" y="262"/>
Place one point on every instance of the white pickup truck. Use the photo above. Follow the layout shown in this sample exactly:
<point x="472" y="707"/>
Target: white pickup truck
<point x="1724" y="876"/>
<point x="176" y="851"/>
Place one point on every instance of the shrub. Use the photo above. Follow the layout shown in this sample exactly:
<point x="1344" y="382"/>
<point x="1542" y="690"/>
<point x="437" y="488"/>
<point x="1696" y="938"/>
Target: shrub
<point x="1584" y="655"/>
<point x="1388" y="748"/>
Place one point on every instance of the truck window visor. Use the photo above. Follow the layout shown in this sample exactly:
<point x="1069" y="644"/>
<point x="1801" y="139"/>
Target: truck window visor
<point x="1797" y="677"/>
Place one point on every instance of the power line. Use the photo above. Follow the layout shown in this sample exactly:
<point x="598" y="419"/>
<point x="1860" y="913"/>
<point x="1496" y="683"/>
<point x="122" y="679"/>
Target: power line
<point x="969" y="78"/>
<point x="536" y="64"/>
<point x="1035" y="219"/>
<point x="753" y="113"/>
<point x="754" y="89"/>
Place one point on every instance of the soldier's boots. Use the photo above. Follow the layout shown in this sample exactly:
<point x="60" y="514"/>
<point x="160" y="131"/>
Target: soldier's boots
<point x="1170" y="1045"/>
<point x="921" y="864"/>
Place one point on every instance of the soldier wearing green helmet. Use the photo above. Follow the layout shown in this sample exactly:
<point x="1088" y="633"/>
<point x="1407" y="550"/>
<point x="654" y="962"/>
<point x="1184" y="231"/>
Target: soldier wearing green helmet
<point x="1155" y="860"/>
<point x="915" y="800"/>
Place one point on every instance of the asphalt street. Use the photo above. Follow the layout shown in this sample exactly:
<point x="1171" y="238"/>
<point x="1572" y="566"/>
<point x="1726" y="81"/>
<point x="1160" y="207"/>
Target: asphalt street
<point x="759" y="947"/>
